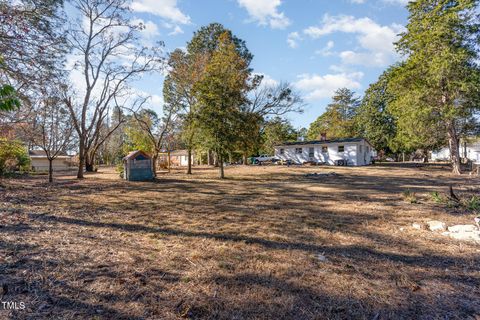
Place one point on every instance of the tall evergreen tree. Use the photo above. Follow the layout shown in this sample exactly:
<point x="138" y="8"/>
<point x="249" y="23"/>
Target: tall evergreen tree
<point x="437" y="88"/>
<point x="221" y="93"/>
<point x="338" y="119"/>
<point x="373" y="120"/>
<point x="275" y="132"/>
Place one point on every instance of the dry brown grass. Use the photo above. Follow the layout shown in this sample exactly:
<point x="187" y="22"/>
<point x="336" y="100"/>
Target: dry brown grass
<point x="249" y="247"/>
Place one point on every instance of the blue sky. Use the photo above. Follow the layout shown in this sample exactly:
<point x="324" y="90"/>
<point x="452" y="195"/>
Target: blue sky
<point x="317" y="45"/>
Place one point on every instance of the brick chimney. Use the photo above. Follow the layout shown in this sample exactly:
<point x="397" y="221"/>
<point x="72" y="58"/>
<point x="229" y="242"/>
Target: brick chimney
<point x="323" y="136"/>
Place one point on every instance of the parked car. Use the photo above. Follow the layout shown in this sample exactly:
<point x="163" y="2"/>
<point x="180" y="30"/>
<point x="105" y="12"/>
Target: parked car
<point x="264" y="158"/>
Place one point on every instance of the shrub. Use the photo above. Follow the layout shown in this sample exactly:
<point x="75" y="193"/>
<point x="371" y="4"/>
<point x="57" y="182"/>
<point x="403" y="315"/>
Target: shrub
<point x="409" y="196"/>
<point x="473" y="204"/>
<point x="13" y="156"/>
<point x="120" y="168"/>
<point x="437" y="197"/>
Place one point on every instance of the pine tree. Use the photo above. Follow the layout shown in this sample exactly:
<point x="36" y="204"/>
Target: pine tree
<point x="436" y="89"/>
<point x="221" y="93"/>
<point x="338" y="120"/>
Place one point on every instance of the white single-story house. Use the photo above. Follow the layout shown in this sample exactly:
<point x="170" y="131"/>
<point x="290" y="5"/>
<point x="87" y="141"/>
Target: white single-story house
<point x="468" y="150"/>
<point x="350" y="151"/>
<point x="39" y="161"/>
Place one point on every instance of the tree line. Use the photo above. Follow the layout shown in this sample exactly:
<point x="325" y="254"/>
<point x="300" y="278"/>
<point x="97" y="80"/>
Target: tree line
<point x="213" y="99"/>
<point x="428" y="100"/>
<point x="69" y="84"/>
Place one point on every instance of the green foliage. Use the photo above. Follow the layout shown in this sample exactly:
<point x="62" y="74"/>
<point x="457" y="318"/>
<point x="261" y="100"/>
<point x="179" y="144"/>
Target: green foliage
<point x="338" y="121"/>
<point x="8" y="98"/>
<point x="120" y="168"/>
<point x="437" y="197"/>
<point x="277" y="131"/>
<point x="473" y="204"/>
<point x="436" y="88"/>
<point x="136" y="137"/>
<point x="409" y="196"/>
<point x="206" y="41"/>
<point x="221" y="92"/>
<point x="373" y="119"/>
<point x="13" y="156"/>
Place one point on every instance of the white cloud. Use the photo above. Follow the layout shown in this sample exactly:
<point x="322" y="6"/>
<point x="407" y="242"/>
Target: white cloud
<point x="267" y="80"/>
<point x="166" y="9"/>
<point x="318" y="87"/>
<point x="149" y="31"/>
<point x="176" y="30"/>
<point x="400" y="2"/>
<point x="265" y="12"/>
<point x="377" y="41"/>
<point x="327" y="50"/>
<point x="292" y="39"/>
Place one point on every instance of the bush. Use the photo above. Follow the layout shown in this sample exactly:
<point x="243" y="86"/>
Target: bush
<point x="120" y="168"/>
<point x="473" y="204"/>
<point x="409" y="196"/>
<point x="13" y="156"/>
<point x="437" y="197"/>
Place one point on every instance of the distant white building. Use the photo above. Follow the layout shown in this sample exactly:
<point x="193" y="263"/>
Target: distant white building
<point x="39" y="161"/>
<point x="352" y="151"/>
<point x="469" y="150"/>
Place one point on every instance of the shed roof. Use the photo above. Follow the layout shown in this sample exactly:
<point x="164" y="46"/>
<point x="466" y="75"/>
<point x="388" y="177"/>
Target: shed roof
<point x="302" y="143"/>
<point x="134" y="154"/>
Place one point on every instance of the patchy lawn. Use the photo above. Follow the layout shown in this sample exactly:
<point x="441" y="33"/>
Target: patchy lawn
<point x="268" y="243"/>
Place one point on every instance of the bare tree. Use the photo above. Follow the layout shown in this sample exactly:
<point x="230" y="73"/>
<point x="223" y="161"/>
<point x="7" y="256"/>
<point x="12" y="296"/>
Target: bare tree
<point x="274" y="100"/>
<point x="51" y="129"/>
<point x="265" y="101"/>
<point x="109" y="56"/>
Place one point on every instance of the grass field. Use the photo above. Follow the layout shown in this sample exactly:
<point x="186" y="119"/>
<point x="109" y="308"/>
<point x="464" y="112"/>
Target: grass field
<point x="267" y="243"/>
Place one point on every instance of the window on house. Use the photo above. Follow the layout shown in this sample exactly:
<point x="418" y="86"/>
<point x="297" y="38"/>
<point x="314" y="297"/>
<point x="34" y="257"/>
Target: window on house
<point x="298" y="150"/>
<point x="311" y="152"/>
<point x="341" y="148"/>
<point x="324" y="149"/>
<point x="282" y="151"/>
<point x="360" y="148"/>
<point x="368" y="149"/>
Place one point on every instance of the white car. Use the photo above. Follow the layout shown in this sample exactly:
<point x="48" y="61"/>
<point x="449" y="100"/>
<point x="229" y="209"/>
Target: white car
<point x="263" y="158"/>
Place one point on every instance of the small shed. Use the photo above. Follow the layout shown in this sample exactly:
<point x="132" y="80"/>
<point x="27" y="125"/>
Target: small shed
<point x="137" y="166"/>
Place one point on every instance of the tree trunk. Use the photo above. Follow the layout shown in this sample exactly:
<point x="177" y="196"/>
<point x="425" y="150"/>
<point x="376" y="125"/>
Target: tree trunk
<point x="454" y="146"/>
<point x="169" y="159"/>
<point x="81" y="159"/>
<point x="89" y="162"/>
<point x="189" y="161"/>
<point x="220" y="166"/>
<point x="154" y="164"/>
<point x="245" y="159"/>
<point x="50" y="170"/>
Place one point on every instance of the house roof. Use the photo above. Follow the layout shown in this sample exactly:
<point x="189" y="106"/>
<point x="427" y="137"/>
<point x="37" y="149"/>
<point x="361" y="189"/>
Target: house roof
<point x="43" y="154"/>
<point x="181" y="152"/>
<point x="134" y="154"/>
<point x="302" y="143"/>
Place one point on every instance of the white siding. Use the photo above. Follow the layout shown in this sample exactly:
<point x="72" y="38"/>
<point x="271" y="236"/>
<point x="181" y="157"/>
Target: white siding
<point x="351" y="153"/>
<point x="41" y="164"/>
<point x="473" y="153"/>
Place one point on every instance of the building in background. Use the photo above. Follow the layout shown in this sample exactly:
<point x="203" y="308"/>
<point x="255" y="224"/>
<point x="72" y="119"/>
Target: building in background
<point x="351" y="152"/>
<point x="39" y="161"/>
<point x="469" y="149"/>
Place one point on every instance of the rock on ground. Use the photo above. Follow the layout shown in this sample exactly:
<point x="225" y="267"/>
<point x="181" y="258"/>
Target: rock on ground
<point x="463" y="228"/>
<point x="435" y="225"/>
